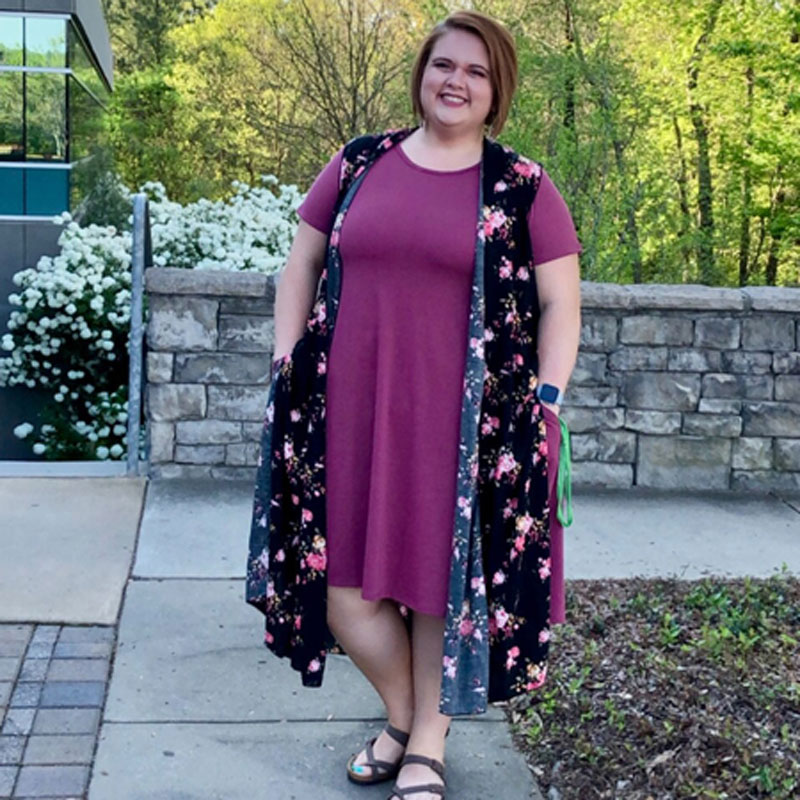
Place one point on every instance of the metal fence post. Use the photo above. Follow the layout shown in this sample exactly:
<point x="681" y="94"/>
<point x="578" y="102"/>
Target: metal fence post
<point x="141" y="255"/>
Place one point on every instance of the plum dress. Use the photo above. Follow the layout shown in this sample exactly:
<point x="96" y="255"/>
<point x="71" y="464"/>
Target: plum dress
<point x="396" y="367"/>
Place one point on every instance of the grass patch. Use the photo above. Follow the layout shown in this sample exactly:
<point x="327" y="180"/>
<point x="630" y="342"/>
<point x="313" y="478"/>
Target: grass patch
<point x="665" y="688"/>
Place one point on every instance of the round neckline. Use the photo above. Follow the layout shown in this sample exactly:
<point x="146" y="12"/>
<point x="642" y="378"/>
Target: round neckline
<point x="430" y="171"/>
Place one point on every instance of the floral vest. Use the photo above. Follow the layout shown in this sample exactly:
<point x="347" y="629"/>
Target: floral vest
<point x="497" y="624"/>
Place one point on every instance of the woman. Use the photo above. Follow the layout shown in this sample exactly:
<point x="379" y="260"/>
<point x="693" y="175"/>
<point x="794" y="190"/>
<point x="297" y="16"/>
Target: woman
<point x="366" y="512"/>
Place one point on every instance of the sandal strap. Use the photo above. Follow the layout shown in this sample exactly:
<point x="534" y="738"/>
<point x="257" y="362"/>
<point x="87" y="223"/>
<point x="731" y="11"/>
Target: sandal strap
<point x="399" y="736"/>
<point x="417" y="758"/>
<point x="374" y="763"/>
<point x="417" y="788"/>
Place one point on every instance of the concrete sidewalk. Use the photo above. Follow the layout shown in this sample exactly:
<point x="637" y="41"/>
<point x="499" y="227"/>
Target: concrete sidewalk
<point x="197" y="707"/>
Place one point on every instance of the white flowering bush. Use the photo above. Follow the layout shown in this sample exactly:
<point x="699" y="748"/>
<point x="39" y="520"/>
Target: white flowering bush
<point x="69" y="332"/>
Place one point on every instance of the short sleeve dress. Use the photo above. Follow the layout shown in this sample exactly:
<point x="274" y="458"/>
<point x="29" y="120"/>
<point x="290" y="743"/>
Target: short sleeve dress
<point x="396" y="368"/>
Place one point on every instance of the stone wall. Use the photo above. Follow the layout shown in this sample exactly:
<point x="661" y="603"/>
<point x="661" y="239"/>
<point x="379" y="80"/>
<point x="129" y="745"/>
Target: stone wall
<point x="675" y="386"/>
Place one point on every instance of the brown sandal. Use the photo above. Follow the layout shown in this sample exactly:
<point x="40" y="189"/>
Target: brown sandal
<point x="380" y="770"/>
<point x="432" y="788"/>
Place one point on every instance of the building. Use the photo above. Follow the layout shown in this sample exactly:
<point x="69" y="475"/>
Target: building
<point x="55" y="79"/>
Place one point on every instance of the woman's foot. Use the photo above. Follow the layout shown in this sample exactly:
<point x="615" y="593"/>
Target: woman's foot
<point x="385" y="748"/>
<point x="418" y="774"/>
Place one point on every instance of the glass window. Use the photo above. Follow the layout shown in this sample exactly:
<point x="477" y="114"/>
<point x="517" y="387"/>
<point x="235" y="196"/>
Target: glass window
<point x="85" y="121"/>
<point x="11" y="116"/>
<point x="45" y="42"/>
<point x="83" y="67"/>
<point x="45" y="116"/>
<point x="11" y="182"/>
<point x="11" y="41"/>
<point x="46" y="191"/>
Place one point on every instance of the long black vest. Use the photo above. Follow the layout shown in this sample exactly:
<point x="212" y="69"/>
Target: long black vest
<point x="497" y="626"/>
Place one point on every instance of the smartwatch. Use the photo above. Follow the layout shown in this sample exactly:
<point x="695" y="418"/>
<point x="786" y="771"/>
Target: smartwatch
<point x="549" y="393"/>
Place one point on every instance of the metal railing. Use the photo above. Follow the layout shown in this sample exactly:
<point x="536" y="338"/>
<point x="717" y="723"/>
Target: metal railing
<point x="141" y="257"/>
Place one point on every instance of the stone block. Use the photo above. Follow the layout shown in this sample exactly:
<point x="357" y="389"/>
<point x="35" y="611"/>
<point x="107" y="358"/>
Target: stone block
<point x="771" y="419"/>
<point x="8" y="775"/>
<point x="252" y="306"/>
<point x="752" y="362"/>
<point x="581" y="420"/>
<point x="33" y="669"/>
<point x="208" y="431"/>
<point x="50" y="781"/>
<point x="685" y="297"/>
<point x="237" y="402"/>
<point x="722" y="334"/>
<point x="740" y="387"/>
<point x="78" y="669"/>
<point x="712" y="425"/>
<point x="616" y="446"/>
<point x="773" y="298"/>
<point x="786" y="363"/>
<point x="11" y="750"/>
<point x="182" y="323"/>
<point x="683" y="462"/>
<point x="765" y="481"/>
<point x="787" y="387"/>
<point x="173" y="401"/>
<point x="787" y="454"/>
<point x="200" y="453"/>
<point x="222" y="283"/>
<point x="248" y="334"/>
<point x="689" y="359"/>
<point x="18" y="721"/>
<point x="719" y="406"/>
<point x="583" y="446"/>
<point x="598" y="332"/>
<point x="162" y="441"/>
<point x="60" y="749"/>
<point x="87" y="633"/>
<point x="79" y="649"/>
<point x="159" y="367"/>
<point x="595" y="473"/>
<point x="170" y="471"/>
<point x="652" y="329"/>
<point x="589" y="368"/>
<point x="752" y="453"/>
<point x="605" y="396"/>
<point x="253" y="431"/>
<point x="242" y="455"/>
<point x="73" y="694"/>
<point x="67" y="720"/>
<point x="604" y="296"/>
<point x="222" y="368"/>
<point x="228" y="473"/>
<point x="671" y="391"/>
<point x="768" y="332"/>
<point x="638" y="357"/>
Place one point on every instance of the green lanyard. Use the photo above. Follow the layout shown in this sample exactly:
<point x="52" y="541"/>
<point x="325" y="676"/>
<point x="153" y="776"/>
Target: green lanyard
<point x="564" y="480"/>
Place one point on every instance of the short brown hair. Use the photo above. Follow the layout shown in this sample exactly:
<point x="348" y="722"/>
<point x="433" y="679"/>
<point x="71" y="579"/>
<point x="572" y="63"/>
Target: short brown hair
<point x="502" y="61"/>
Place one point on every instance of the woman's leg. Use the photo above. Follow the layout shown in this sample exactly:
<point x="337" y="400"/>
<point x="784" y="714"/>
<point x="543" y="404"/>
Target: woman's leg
<point x="375" y="637"/>
<point x="430" y="726"/>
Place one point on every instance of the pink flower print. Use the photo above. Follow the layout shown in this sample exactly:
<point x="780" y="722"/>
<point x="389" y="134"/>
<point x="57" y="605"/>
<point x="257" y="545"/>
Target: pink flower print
<point x="294" y="415"/>
<point x="295" y="499"/>
<point x="321" y="367"/>
<point x="465" y="506"/>
<point x="519" y="360"/>
<point x="316" y="561"/>
<point x="500" y="186"/>
<point x="334" y="238"/>
<point x="512" y="657"/>
<point x="505" y="464"/>
<point x="478" y="585"/>
<point x="307" y="515"/>
<point x="358" y="171"/>
<point x="298" y="621"/>
<point x="519" y="543"/>
<point x="386" y="143"/>
<point x="544" y="635"/>
<point x="288" y="449"/>
<point x="498" y="578"/>
<point x="270" y="588"/>
<point x="544" y="567"/>
<point x="280" y="555"/>
<point x="477" y="345"/>
<point x="313" y="665"/>
<point x="449" y="665"/>
<point x="492" y="626"/>
<point x="524" y="523"/>
<point x="525" y="168"/>
<point x="523" y="274"/>
<point x="488" y="334"/>
<point x="506" y="268"/>
<point x="500" y="617"/>
<point x="268" y="637"/>
<point x="262" y="521"/>
<point x="466" y="626"/>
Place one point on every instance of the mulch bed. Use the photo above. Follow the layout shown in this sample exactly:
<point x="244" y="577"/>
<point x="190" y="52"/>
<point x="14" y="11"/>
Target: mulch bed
<point x="666" y="688"/>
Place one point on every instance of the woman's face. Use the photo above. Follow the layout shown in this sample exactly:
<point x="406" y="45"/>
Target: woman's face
<point x="456" y="89"/>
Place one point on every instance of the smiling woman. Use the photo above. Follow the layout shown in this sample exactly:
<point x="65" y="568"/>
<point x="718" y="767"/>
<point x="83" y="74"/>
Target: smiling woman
<point x="408" y="460"/>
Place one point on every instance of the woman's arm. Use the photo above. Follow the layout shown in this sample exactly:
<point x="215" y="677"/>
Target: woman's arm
<point x="297" y="287"/>
<point x="558" y="285"/>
